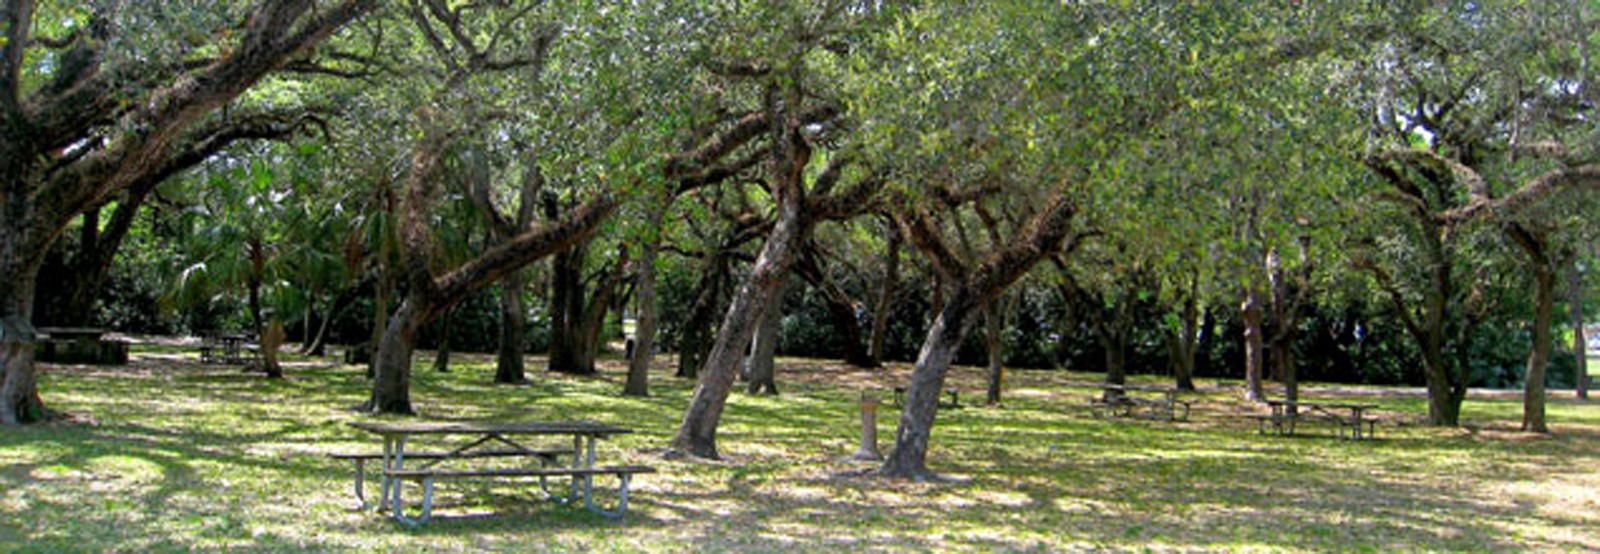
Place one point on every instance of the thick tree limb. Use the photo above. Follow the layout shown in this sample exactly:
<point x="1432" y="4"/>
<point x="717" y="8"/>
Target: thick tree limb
<point x="270" y="41"/>
<point x="1530" y="193"/>
<point x="17" y="17"/>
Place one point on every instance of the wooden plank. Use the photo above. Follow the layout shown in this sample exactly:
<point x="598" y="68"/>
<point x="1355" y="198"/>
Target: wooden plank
<point x="489" y="428"/>
<point x="518" y="472"/>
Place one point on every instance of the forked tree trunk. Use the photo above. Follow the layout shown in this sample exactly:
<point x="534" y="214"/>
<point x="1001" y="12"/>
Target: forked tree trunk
<point x="509" y="365"/>
<point x="909" y="458"/>
<point x="697" y="434"/>
<point x="760" y="369"/>
<point x="1042" y="238"/>
<point x="1184" y="342"/>
<point x="380" y="315"/>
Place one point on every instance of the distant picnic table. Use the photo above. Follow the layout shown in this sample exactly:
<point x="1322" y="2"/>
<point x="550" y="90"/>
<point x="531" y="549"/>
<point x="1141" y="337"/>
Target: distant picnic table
<point x="1130" y="400"/>
<point x="226" y="348"/>
<point x="1350" y="419"/>
<point x="490" y="440"/>
<point x="80" y="345"/>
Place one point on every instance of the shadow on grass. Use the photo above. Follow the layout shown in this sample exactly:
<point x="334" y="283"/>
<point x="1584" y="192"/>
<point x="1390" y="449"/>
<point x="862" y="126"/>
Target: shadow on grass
<point x="188" y="456"/>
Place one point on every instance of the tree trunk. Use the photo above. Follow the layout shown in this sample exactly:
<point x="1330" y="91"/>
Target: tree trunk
<point x="391" y="388"/>
<point x="842" y="310"/>
<point x="577" y="345"/>
<point x="995" y="326"/>
<point x="1043" y="236"/>
<point x="891" y="280"/>
<point x="909" y="458"/>
<point x="760" y="368"/>
<point x="19" y="390"/>
<point x="441" y="358"/>
<point x="1580" y="346"/>
<point x="380" y="314"/>
<point x="1533" y="395"/>
<point x="1185" y="342"/>
<point x="644" y="325"/>
<point x="271" y="340"/>
<point x="1115" y="344"/>
<point x="566" y="309"/>
<point x="258" y="260"/>
<point x="695" y="343"/>
<point x="1536" y="246"/>
<point x="23" y="242"/>
<point x="697" y="434"/>
<point x="1251" y="315"/>
<point x="509" y="367"/>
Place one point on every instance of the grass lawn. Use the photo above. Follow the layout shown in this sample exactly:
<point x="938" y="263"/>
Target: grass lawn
<point x="166" y="454"/>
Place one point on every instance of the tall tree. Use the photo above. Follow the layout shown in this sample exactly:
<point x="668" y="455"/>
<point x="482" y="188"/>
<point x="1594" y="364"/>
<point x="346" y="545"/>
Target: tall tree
<point x="94" y="110"/>
<point x="783" y="75"/>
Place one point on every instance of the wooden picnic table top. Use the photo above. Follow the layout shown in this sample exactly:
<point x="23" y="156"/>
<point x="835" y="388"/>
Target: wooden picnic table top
<point x="588" y="428"/>
<point x="1313" y="404"/>
<point x="72" y="331"/>
<point x="1140" y="388"/>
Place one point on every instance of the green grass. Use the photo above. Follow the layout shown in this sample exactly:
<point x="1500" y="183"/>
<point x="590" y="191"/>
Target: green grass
<point x="169" y="455"/>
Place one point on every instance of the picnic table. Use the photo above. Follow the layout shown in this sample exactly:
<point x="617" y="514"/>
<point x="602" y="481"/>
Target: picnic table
<point x="227" y="348"/>
<point x="1350" y="419"/>
<point x="475" y="440"/>
<point x="85" y="345"/>
<point x="1128" y="400"/>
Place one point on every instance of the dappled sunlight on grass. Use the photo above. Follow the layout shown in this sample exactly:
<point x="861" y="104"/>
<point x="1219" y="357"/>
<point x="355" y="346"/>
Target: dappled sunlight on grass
<point x="169" y="455"/>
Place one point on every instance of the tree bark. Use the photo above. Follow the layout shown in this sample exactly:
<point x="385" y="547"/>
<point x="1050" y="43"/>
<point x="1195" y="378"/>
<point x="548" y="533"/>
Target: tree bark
<point x="391" y="387"/>
<point x="271" y="340"/>
<point x="760" y="369"/>
<point x="441" y="358"/>
<point x="909" y="458"/>
<point x="885" y="304"/>
<point x="1184" y="342"/>
<point x="644" y="325"/>
<point x="842" y="310"/>
<point x="1535" y="245"/>
<point x="19" y="391"/>
<point x="1580" y="345"/>
<point x="428" y="292"/>
<point x="994" y="327"/>
<point x="1042" y="238"/>
<point x="697" y="434"/>
<point x="509" y="365"/>
<point x="695" y="344"/>
<point x="1251" y="315"/>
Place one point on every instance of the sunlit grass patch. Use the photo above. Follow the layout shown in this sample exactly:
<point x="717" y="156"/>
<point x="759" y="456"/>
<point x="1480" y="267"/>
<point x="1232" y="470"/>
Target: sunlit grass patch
<point x="170" y="455"/>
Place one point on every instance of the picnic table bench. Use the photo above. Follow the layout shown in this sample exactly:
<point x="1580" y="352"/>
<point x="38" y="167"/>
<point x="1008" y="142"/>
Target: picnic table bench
<point x="490" y="440"/>
<point x="1156" y="402"/>
<point x="1350" y="420"/>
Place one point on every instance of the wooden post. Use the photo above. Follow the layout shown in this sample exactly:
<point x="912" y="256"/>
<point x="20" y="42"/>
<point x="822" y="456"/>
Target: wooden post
<point x="869" y="429"/>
